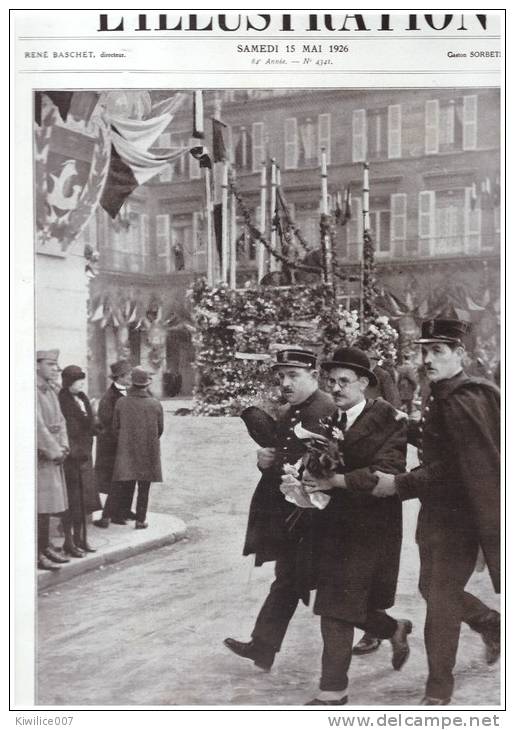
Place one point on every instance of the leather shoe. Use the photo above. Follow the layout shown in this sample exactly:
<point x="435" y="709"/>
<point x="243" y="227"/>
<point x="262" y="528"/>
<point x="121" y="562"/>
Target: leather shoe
<point x="86" y="547"/>
<point x="130" y="516"/>
<point x="399" y="642"/>
<point x="435" y="701"/>
<point x="118" y="521"/>
<point x="102" y="522"/>
<point x="316" y="701"/>
<point x="262" y="655"/>
<point x="73" y="551"/>
<point x="54" y="557"/>
<point x="141" y="525"/>
<point x="490" y="631"/>
<point x="45" y="564"/>
<point x="367" y="644"/>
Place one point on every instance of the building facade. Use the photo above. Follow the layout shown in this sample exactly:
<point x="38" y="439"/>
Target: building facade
<point x="434" y="159"/>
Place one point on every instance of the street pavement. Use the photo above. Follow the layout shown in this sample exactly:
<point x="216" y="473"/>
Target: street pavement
<point x="148" y="630"/>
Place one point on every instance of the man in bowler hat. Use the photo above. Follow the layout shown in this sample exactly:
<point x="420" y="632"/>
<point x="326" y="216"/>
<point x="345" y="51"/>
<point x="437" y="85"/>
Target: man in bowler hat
<point x="359" y="536"/>
<point x="457" y="484"/>
<point x="117" y="507"/>
<point x="138" y="425"/>
<point x="268" y="536"/>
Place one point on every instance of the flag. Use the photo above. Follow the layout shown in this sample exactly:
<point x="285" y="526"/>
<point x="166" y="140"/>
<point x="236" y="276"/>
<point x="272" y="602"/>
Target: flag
<point x="473" y="196"/>
<point x="219" y="159"/>
<point x="78" y="104"/>
<point x="131" y="162"/>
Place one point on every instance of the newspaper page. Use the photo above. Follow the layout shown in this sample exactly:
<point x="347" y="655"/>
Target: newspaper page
<point x="257" y="268"/>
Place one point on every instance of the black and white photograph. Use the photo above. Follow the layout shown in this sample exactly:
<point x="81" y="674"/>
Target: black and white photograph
<point x="267" y="375"/>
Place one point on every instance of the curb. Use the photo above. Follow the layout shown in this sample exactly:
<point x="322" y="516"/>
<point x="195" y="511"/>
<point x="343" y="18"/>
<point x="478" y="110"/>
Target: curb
<point x="175" y="530"/>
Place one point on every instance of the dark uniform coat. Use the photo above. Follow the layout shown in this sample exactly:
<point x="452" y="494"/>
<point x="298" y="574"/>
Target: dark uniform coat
<point x="78" y="466"/>
<point x="360" y="535"/>
<point x="458" y="482"/>
<point x="138" y="424"/>
<point x="268" y="535"/>
<point x="106" y="439"/>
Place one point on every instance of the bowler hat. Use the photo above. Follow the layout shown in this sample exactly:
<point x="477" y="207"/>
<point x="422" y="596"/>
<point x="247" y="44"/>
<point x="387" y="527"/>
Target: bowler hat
<point x="140" y="377"/>
<point x="52" y="355"/>
<point x="443" y="330"/>
<point x="70" y="374"/>
<point x="354" y="359"/>
<point x="119" y="368"/>
<point x="261" y="426"/>
<point x="296" y="358"/>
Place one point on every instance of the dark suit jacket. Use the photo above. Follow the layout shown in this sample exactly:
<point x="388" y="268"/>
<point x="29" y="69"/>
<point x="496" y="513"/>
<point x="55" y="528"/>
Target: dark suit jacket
<point x="385" y="388"/>
<point x="360" y="535"/>
<point x="106" y="440"/>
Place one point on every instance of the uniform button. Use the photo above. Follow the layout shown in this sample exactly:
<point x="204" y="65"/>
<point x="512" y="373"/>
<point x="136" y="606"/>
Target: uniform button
<point x="426" y="408"/>
<point x="288" y="438"/>
<point x="431" y="398"/>
<point x="423" y="419"/>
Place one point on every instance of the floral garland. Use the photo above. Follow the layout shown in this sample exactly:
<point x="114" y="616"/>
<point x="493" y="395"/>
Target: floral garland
<point x="369" y="286"/>
<point x="255" y="321"/>
<point x="380" y="337"/>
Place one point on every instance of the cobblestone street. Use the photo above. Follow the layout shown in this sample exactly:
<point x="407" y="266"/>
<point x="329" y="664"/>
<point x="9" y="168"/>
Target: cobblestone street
<point x="149" y="630"/>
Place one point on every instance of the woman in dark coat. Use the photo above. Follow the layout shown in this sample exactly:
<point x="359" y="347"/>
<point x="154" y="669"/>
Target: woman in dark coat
<point x="78" y="467"/>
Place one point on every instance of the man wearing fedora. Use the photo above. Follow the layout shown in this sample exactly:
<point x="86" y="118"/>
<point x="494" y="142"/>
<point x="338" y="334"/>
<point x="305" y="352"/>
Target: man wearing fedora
<point x="270" y="517"/>
<point x="53" y="448"/>
<point x="360" y="536"/>
<point x="118" y="503"/>
<point x="457" y="484"/>
<point x="138" y="425"/>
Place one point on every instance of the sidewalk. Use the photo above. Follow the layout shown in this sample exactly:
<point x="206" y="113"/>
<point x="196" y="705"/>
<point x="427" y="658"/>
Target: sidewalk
<point x="116" y="543"/>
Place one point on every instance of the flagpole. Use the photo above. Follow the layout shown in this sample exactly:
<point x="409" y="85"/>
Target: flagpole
<point x="366" y="227"/>
<point x="326" y="243"/>
<point x="209" y="228"/>
<point x="262" y="223"/>
<point x="233" y="243"/>
<point x="225" y="243"/>
<point x="273" y="203"/>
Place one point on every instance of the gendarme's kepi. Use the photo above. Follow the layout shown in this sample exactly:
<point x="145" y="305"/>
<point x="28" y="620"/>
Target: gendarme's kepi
<point x="443" y="330"/>
<point x="295" y="358"/>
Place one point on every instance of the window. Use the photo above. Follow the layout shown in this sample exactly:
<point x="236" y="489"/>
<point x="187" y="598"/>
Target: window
<point x="472" y="222"/>
<point x="394" y="131"/>
<point x="432" y="126"/>
<point x="145" y="241"/>
<point x="359" y="135"/>
<point x="163" y="243"/>
<point x="308" y="152"/>
<point x="380" y="227"/>
<point x="241" y="148"/>
<point x="450" y="216"/>
<point x="354" y="229"/>
<point x="291" y="144"/>
<point x="324" y="136"/>
<point x="470" y="122"/>
<point x="258" y="146"/>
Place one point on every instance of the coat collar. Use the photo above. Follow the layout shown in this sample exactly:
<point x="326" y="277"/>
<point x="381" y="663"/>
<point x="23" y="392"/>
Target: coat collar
<point x="138" y="392"/>
<point x="443" y="388"/>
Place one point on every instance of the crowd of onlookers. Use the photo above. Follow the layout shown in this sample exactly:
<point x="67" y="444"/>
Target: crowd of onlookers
<point x="127" y="424"/>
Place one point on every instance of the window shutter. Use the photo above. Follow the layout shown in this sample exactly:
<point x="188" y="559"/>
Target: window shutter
<point x="359" y="135"/>
<point x="398" y="215"/>
<point x="426" y="219"/>
<point x="472" y="224"/>
<point x="470" y="122"/>
<point x="394" y="131"/>
<point x="291" y="144"/>
<point x="163" y="240"/>
<point x="432" y="126"/>
<point x="258" y="145"/>
<point x="324" y="136"/>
